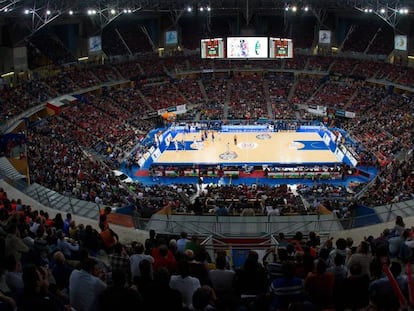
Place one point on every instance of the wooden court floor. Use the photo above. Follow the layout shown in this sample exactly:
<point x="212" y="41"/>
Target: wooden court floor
<point x="251" y="147"/>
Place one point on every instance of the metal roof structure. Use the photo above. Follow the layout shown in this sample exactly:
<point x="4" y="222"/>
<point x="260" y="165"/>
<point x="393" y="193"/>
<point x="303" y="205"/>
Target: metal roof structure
<point x="36" y="14"/>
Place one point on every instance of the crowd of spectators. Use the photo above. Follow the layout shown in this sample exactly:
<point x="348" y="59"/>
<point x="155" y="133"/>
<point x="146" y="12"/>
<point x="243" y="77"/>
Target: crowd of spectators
<point x="55" y="263"/>
<point x="111" y="121"/>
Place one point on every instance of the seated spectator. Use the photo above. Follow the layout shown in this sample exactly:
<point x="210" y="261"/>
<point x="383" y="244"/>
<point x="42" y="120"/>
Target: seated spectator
<point x="61" y="272"/>
<point x="69" y="248"/>
<point x="86" y="285"/>
<point x="13" y="274"/>
<point x="117" y="296"/>
<point x="36" y="294"/>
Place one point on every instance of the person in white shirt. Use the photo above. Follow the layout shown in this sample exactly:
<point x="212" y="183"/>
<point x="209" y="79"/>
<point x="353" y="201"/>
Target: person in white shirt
<point x="273" y="210"/>
<point x="85" y="286"/>
<point x="185" y="283"/>
<point x="136" y="258"/>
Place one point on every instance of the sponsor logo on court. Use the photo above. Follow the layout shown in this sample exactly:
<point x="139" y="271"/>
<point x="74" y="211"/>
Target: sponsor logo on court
<point x="197" y="145"/>
<point x="247" y="145"/>
<point x="263" y="136"/>
<point x="228" y="155"/>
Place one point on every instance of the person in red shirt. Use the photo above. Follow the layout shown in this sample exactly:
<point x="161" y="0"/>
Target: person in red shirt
<point x="163" y="257"/>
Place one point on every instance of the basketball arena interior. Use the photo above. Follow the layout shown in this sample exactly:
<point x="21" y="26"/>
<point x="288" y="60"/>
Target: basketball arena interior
<point x="230" y="120"/>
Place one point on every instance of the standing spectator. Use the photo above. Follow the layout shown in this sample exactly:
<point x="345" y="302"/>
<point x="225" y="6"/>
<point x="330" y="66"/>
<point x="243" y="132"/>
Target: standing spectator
<point x="222" y="281"/>
<point x="356" y="288"/>
<point x="151" y="242"/>
<point x="182" y="242"/>
<point x="119" y="260"/>
<point x="362" y="256"/>
<point x="251" y="281"/>
<point x="381" y="293"/>
<point x="204" y="299"/>
<point x="58" y="221"/>
<point x="159" y="295"/>
<point x="340" y="249"/>
<point x="66" y="223"/>
<point x="103" y="217"/>
<point x="85" y="286"/>
<point x="194" y="245"/>
<point x="287" y="289"/>
<point x="184" y="283"/>
<point x="319" y="286"/>
<point x="135" y="259"/>
<point x="163" y="257"/>
<point x="399" y="226"/>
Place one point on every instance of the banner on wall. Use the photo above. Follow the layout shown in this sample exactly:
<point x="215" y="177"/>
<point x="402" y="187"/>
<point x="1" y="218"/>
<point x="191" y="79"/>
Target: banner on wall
<point x="400" y="42"/>
<point x="325" y="36"/>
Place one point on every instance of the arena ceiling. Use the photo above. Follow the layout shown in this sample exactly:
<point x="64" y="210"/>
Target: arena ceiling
<point x="36" y="14"/>
<point x="165" y="5"/>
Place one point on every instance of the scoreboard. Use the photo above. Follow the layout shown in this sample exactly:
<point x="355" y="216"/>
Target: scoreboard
<point x="212" y="48"/>
<point x="280" y="48"/>
<point x="247" y="48"/>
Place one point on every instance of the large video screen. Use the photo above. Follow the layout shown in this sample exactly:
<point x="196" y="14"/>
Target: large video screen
<point x="212" y="48"/>
<point x="280" y="48"/>
<point x="247" y="47"/>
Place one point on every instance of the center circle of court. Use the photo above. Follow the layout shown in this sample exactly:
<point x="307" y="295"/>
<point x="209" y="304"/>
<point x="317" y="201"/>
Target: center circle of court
<point x="247" y="145"/>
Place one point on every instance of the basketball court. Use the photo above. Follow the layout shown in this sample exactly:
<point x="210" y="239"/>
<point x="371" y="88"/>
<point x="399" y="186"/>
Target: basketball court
<point x="253" y="148"/>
